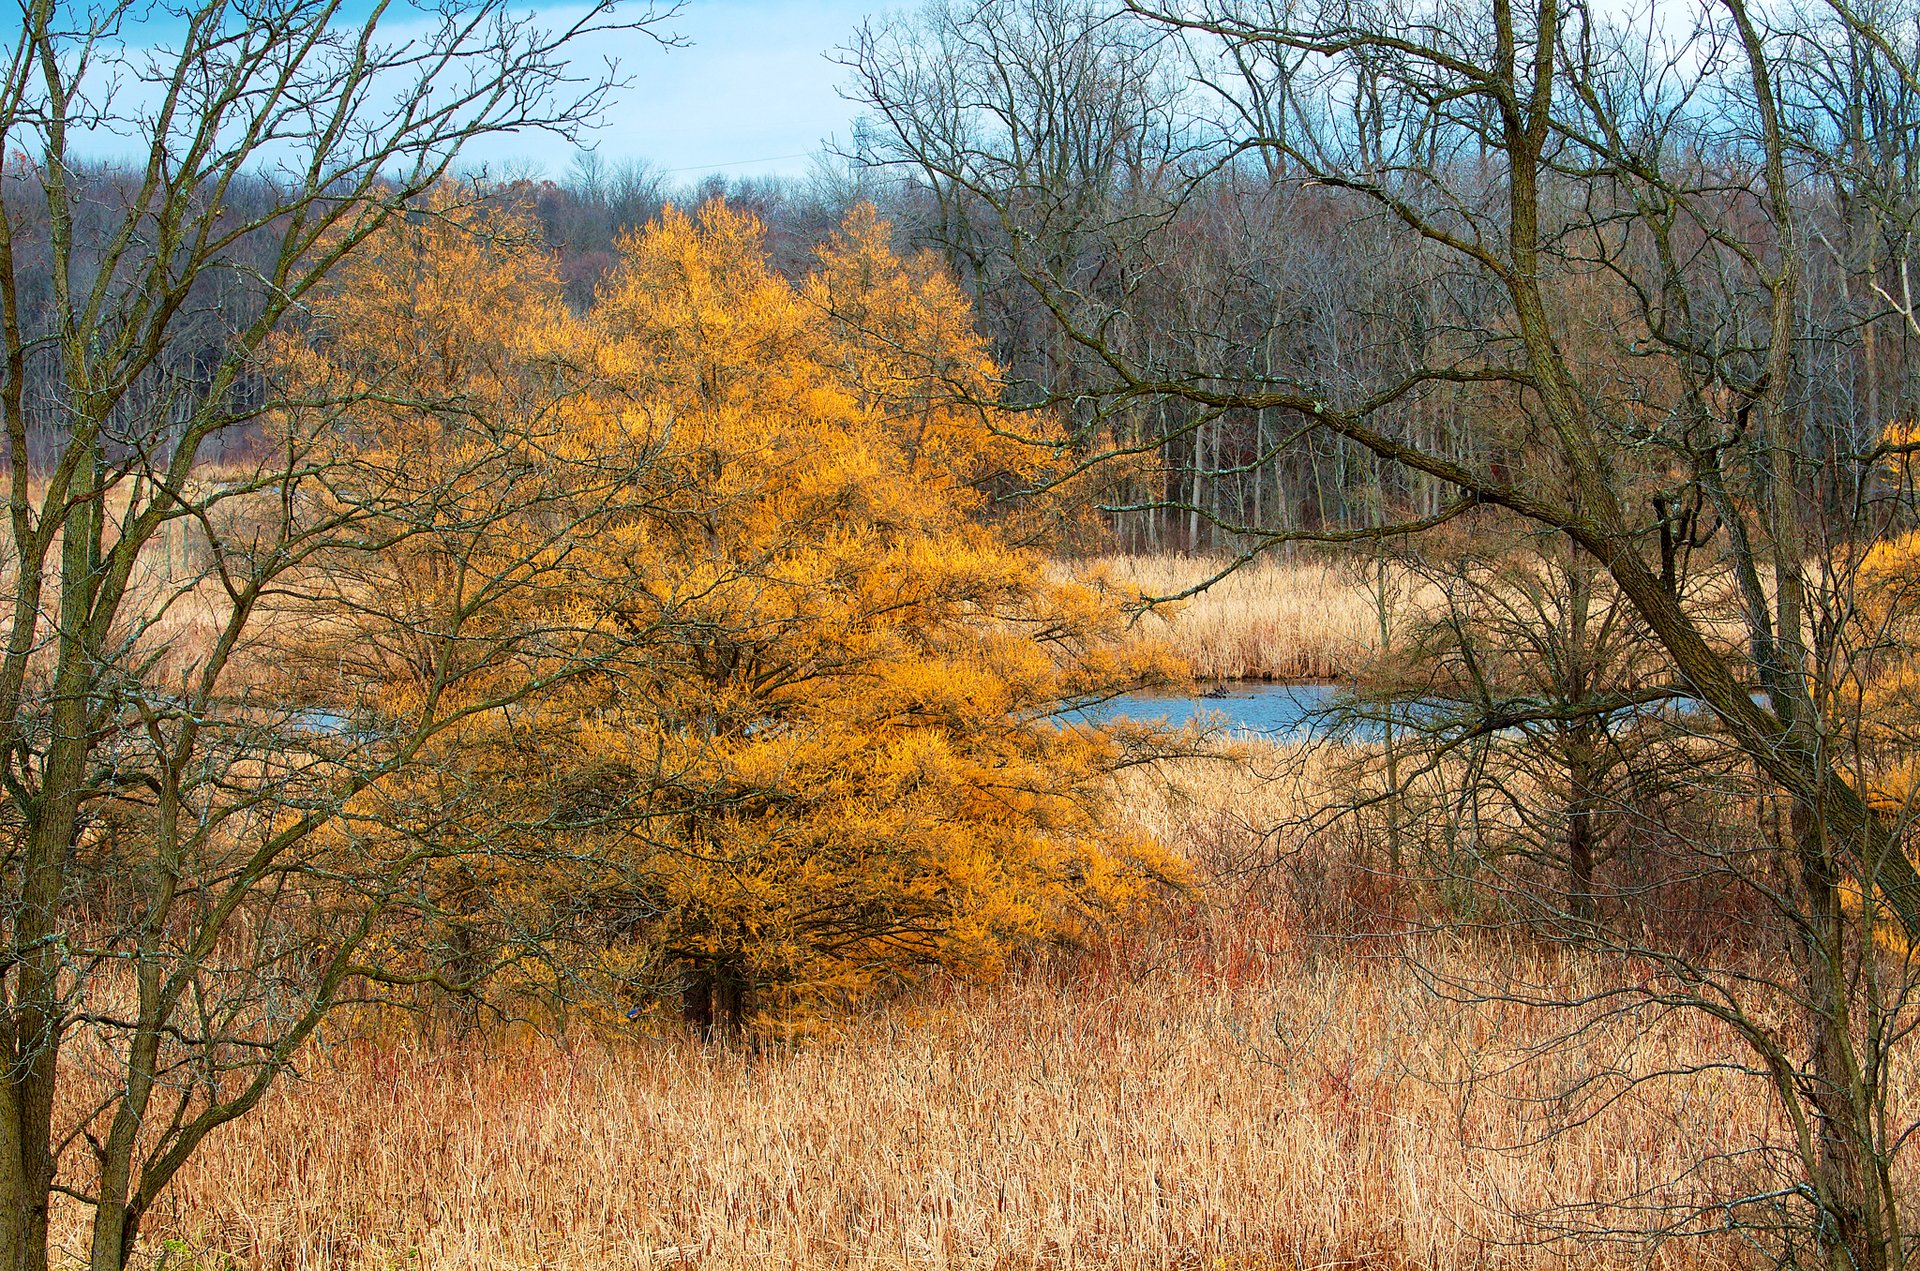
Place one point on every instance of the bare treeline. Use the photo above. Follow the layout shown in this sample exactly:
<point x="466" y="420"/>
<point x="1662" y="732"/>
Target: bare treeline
<point x="1186" y="190"/>
<point x="1185" y="194"/>
<point x="1203" y="203"/>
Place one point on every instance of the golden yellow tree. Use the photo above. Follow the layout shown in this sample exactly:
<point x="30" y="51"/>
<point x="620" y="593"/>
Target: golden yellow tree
<point x="860" y="770"/>
<point x="821" y="741"/>
<point x="462" y="479"/>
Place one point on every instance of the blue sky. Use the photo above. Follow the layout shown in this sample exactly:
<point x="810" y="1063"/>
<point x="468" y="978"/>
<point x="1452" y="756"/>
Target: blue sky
<point x="752" y="93"/>
<point x="750" y="90"/>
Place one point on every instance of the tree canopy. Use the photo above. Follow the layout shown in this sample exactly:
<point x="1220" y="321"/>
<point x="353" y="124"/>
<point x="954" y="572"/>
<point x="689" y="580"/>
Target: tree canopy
<point x="830" y="739"/>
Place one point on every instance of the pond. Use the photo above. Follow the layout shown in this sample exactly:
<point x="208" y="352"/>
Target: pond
<point x="1274" y="712"/>
<point x="1301" y="712"/>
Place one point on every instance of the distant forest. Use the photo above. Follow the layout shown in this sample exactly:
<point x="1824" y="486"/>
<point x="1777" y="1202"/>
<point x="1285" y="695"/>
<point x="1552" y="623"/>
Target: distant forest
<point x="1064" y="169"/>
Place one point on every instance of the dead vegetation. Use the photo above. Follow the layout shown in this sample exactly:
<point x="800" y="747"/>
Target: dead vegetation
<point x="1276" y="619"/>
<point x="1266" y="1079"/>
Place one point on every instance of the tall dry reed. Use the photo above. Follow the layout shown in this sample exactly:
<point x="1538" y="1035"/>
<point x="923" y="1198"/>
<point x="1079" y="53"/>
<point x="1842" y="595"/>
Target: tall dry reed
<point x="1274" y="619"/>
<point x="1247" y="1109"/>
<point x="1236" y="1087"/>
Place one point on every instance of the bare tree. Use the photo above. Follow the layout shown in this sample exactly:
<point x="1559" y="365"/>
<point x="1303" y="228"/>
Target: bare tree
<point x="195" y="869"/>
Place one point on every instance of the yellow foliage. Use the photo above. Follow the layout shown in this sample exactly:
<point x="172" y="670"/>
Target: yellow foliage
<point x="903" y="338"/>
<point x="1889" y="588"/>
<point x="1888" y="629"/>
<point x="817" y="743"/>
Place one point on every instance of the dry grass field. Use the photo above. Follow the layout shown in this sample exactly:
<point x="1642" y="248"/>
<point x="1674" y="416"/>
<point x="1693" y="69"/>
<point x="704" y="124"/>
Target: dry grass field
<point x="1256" y="1082"/>
<point x="1311" y="618"/>
<point x="1262" y="1079"/>
<point x="1272" y="620"/>
<point x="177" y="602"/>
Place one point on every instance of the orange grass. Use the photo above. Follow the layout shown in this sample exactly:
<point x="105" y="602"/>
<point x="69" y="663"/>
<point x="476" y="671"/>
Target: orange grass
<point x="1227" y="1090"/>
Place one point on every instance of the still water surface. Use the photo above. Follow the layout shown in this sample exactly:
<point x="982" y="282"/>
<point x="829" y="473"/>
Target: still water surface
<point x="1302" y="712"/>
<point x="1278" y="712"/>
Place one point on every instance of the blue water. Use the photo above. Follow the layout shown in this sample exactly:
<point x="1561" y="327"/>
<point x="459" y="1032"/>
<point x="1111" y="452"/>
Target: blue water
<point x="1276" y="712"/>
<point x="1305" y="712"/>
<point x="321" y="721"/>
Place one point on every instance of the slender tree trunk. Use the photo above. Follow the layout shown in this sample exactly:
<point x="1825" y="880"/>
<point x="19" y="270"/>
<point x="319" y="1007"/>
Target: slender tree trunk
<point x="1582" y="746"/>
<point x="1193" y="491"/>
<point x="1213" y="483"/>
<point x="1389" y="746"/>
<point x="1259" y="469"/>
<point x="1580" y="831"/>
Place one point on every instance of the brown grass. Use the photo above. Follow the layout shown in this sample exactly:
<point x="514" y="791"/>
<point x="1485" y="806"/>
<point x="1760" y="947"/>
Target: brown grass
<point x="1315" y="618"/>
<point x="1273" y="620"/>
<point x="176" y="606"/>
<point x="1226" y="1113"/>
<point x="1227" y="1090"/>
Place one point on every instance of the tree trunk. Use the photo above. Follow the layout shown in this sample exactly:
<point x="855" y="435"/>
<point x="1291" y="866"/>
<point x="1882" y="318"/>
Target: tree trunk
<point x="35" y="1027"/>
<point x="1859" y="1228"/>
<point x="17" y="1201"/>
<point x="1382" y="600"/>
<point x="1580" y="841"/>
<point x="1581" y="744"/>
<point x="696" y="1001"/>
<point x="714" y="1000"/>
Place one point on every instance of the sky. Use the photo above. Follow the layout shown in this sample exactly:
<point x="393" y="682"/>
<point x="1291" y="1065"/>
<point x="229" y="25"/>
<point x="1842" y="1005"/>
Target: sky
<point x="752" y="93"/>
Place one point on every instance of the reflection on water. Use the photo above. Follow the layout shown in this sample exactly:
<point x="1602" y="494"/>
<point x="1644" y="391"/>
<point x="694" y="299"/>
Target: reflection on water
<point x="1277" y="712"/>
